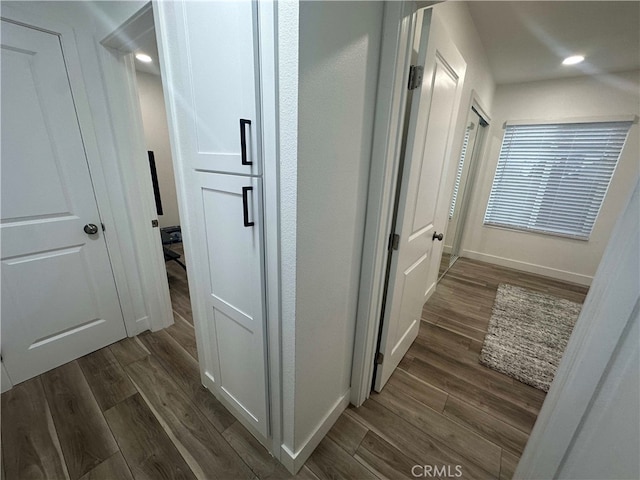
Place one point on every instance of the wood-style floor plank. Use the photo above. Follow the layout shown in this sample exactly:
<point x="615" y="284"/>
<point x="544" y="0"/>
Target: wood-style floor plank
<point x="205" y="450"/>
<point x="253" y="453"/>
<point x="508" y="466"/>
<point x="113" y="468"/>
<point x="460" y="439"/>
<point x="488" y="426"/>
<point x="128" y="350"/>
<point x="412" y="441"/>
<point x="106" y="378"/>
<point x="385" y="460"/>
<point x="85" y="438"/>
<point x="479" y="397"/>
<point x="347" y="433"/>
<point x="330" y="462"/>
<point x="418" y="389"/>
<point x="145" y="446"/>
<point x="183" y="333"/>
<point x="30" y="446"/>
<point x="510" y="390"/>
<point x="184" y="370"/>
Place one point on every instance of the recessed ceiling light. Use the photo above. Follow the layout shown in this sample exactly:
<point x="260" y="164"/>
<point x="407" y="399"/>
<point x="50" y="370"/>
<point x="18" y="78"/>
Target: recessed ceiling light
<point x="572" y="60"/>
<point x="143" y="57"/>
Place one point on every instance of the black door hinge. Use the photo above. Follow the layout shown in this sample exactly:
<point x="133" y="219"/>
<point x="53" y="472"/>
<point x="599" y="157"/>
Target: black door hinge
<point x="379" y="358"/>
<point x="394" y="241"/>
<point x="415" y="76"/>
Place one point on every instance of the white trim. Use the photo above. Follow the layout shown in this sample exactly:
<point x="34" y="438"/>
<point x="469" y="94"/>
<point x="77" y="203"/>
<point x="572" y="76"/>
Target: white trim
<point x="593" y="119"/>
<point x="269" y="110"/>
<point x="472" y="173"/>
<point x="563" y="275"/>
<point x="391" y="102"/>
<point x="610" y="307"/>
<point x="294" y="461"/>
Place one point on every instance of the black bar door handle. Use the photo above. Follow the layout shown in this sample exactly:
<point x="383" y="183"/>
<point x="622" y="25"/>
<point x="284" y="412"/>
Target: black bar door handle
<point x="245" y="207"/>
<point x="243" y="141"/>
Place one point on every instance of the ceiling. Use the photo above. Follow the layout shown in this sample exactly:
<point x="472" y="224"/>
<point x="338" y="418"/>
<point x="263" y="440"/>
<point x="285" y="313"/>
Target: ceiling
<point x="527" y="41"/>
<point x="147" y="44"/>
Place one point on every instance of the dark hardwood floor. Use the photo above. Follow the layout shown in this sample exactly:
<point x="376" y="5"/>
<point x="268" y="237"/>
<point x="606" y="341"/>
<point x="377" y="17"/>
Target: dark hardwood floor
<point x="136" y="409"/>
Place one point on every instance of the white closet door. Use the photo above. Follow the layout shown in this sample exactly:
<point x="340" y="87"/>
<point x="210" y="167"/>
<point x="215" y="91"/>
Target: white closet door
<point x="234" y="328"/>
<point x="208" y="52"/>
<point x="59" y="299"/>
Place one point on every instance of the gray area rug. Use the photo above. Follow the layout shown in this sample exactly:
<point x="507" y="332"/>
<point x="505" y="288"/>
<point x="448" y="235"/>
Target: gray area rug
<point x="527" y="335"/>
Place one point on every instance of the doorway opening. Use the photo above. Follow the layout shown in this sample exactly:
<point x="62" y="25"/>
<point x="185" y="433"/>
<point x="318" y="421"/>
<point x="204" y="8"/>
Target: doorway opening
<point x="448" y="357"/>
<point x="149" y="86"/>
<point x="466" y="169"/>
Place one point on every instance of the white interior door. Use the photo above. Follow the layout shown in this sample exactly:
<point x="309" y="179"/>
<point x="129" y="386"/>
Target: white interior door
<point x="433" y="117"/>
<point x="208" y="52"/>
<point x="59" y="299"/>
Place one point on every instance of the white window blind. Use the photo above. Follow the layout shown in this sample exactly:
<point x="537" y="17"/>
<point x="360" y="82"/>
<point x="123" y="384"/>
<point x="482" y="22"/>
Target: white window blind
<point x="553" y="178"/>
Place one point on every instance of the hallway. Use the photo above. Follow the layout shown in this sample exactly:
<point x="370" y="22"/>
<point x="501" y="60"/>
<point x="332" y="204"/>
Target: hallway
<point x="136" y="409"/>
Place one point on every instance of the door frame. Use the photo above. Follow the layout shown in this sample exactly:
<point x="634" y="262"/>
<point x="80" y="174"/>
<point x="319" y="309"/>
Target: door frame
<point x="398" y="31"/>
<point x="99" y="177"/>
<point x="476" y="154"/>
<point x="116" y="55"/>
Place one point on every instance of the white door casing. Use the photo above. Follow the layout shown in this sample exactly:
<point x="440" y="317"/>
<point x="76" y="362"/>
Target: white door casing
<point x="59" y="300"/>
<point x="209" y="61"/>
<point x="433" y="116"/>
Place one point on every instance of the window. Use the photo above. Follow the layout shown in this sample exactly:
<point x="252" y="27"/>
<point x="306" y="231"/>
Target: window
<point x="552" y="178"/>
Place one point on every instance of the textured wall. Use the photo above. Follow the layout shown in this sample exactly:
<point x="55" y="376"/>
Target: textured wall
<point x="339" y="55"/>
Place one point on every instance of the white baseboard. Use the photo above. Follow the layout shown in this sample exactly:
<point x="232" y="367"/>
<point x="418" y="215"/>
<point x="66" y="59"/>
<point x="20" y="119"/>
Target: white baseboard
<point x="530" y="267"/>
<point x="295" y="460"/>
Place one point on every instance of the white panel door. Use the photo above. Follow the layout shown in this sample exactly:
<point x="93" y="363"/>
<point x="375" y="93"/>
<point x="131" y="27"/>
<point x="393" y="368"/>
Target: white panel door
<point x="433" y="117"/>
<point x="220" y="84"/>
<point x="234" y="329"/>
<point x="59" y="299"/>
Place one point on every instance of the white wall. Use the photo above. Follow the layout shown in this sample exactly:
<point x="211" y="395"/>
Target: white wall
<point x="156" y="136"/>
<point x="458" y="22"/>
<point x="562" y="258"/>
<point x="339" y="50"/>
<point x="608" y="440"/>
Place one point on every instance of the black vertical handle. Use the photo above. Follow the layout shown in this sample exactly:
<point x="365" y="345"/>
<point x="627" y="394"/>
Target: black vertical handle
<point x="243" y="140"/>
<point x="245" y="207"/>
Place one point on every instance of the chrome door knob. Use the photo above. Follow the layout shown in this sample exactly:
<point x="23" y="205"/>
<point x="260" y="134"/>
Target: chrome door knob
<point x="90" y="229"/>
<point x="438" y="236"/>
